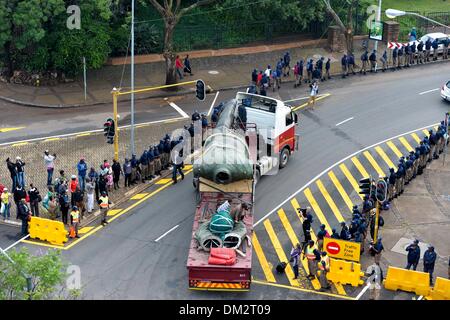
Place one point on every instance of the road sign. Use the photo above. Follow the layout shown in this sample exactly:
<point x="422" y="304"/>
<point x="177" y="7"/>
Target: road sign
<point x="393" y="45"/>
<point x="341" y="249"/>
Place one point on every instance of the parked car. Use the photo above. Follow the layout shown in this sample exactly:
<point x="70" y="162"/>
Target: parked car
<point x="445" y="91"/>
<point x="436" y="35"/>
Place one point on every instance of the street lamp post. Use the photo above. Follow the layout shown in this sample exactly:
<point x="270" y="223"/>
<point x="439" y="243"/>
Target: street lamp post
<point x="378" y="19"/>
<point x="393" y="13"/>
<point x="132" y="77"/>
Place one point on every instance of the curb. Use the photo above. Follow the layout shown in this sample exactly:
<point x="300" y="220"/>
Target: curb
<point x="179" y="93"/>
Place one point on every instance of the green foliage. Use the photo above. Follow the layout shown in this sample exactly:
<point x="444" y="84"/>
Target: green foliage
<point x="47" y="272"/>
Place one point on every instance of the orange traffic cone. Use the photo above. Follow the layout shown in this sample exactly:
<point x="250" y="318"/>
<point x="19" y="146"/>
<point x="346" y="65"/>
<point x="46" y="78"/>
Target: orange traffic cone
<point x="72" y="232"/>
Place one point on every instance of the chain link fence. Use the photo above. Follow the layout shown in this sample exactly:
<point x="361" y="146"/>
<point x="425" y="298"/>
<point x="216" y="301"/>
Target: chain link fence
<point x="69" y="149"/>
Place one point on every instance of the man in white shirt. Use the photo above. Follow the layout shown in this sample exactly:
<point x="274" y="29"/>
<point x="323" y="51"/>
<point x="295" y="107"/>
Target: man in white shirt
<point x="50" y="165"/>
<point x="268" y="74"/>
<point x="375" y="278"/>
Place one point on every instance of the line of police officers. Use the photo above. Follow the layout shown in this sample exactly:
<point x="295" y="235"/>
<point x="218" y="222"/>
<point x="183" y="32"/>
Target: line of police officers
<point x="429" y="149"/>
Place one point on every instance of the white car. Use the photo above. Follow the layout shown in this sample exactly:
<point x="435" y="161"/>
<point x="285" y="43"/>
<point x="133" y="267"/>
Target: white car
<point x="445" y="91"/>
<point x="432" y="36"/>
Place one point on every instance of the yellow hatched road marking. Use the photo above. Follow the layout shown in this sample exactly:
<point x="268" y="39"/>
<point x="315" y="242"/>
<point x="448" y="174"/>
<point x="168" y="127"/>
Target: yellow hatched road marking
<point x="394" y="149"/>
<point x="350" y="178"/>
<point x="139" y="196"/>
<point x="415" y="137"/>
<point x="262" y="259"/>
<point x="360" y="167"/>
<point x="19" y="144"/>
<point x="163" y="181"/>
<point x="340" y="289"/>
<point x="385" y="157"/>
<point x="341" y="190"/>
<point x="330" y="201"/>
<point x="317" y="209"/>
<point x="425" y="131"/>
<point x="295" y="241"/>
<point x="10" y="129"/>
<point x="85" y="230"/>
<point x="436" y="128"/>
<point x="188" y="167"/>
<point x="374" y="163"/>
<point x="83" y="134"/>
<point x="113" y="212"/>
<point x="52" y="139"/>
<point x="406" y="144"/>
<point x="279" y="250"/>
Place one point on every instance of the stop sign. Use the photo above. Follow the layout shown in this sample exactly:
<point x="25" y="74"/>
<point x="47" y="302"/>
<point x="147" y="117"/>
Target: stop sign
<point x="333" y="248"/>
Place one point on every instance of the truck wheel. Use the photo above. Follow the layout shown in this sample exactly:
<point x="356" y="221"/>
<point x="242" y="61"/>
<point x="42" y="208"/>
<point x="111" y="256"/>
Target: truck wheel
<point x="257" y="176"/>
<point x="284" y="158"/>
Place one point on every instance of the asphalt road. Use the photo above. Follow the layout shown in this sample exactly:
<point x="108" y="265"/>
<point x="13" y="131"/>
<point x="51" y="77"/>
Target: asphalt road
<point x="123" y="260"/>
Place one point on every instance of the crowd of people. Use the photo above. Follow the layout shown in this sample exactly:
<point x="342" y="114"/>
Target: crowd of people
<point x="364" y="219"/>
<point x="71" y="197"/>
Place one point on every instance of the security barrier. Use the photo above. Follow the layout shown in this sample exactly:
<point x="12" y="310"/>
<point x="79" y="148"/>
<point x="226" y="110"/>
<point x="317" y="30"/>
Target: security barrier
<point x="441" y="290"/>
<point x="47" y="230"/>
<point x="345" y="272"/>
<point x="407" y="280"/>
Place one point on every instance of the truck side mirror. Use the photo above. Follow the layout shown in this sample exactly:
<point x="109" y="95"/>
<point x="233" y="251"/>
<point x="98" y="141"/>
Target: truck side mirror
<point x="295" y="118"/>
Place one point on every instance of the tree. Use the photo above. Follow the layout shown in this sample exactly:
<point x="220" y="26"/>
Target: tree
<point x="347" y="30"/>
<point x="171" y="14"/>
<point x="47" y="273"/>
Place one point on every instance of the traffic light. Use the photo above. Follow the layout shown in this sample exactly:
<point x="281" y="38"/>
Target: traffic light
<point x="381" y="192"/>
<point x="109" y="130"/>
<point x="365" y="186"/>
<point x="200" y="91"/>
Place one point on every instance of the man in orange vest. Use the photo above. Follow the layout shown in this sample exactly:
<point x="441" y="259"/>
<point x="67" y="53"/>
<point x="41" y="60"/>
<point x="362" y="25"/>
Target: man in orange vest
<point x="324" y="266"/>
<point x="312" y="254"/>
<point x="104" y="203"/>
<point x="75" y="215"/>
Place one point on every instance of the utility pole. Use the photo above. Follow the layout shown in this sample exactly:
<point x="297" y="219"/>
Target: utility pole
<point x="132" y="76"/>
<point x="378" y="19"/>
<point x="85" y="83"/>
<point x="445" y="136"/>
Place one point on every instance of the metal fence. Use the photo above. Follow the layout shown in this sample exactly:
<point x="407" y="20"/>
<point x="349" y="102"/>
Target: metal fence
<point x="92" y="146"/>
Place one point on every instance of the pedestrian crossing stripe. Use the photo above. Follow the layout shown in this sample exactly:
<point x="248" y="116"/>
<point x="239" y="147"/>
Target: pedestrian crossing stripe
<point x="340" y="289"/>
<point x="374" y="164"/>
<point x="294" y="240"/>
<point x="113" y="212"/>
<point x="425" y="131"/>
<point x="312" y="201"/>
<point x="280" y="253"/>
<point x="394" y="149"/>
<point x="163" y="181"/>
<point x="360" y="168"/>
<point x="341" y="190"/>
<point x="350" y="178"/>
<point x="85" y="230"/>
<point x="385" y="157"/>
<point x="262" y="259"/>
<point x="330" y="201"/>
<point x="415" y="137"/>
<point x="406" y="144"/>
<point x="139" y="196"/>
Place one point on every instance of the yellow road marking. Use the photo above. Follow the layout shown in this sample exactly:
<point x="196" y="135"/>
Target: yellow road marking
<point x="406" y="144"/>
<point x="295" y="241"/>
<point x="374" y="163"/>
<point x="163" y="181"/>
<point x="360" y="167"/>
<point x="350" y="178"/>
<point x="385" y="157"/>
<point x="83" y="134"/>
<point x="52" y="139"/>
<point x="436" y="128"/>
<point x="306" y="104"/>
<point x="44" y="244"/>
<point x="340" y="289"/>
<point x="330" y="201"/>
<point x="317" y="209"/>
<point x="19" y="144"/>
<point x="113" y="212"/>
<point x="85" y="230"/>
<point x="139" y="196"/>
<point x="280" y="252"/>
<point x="188" y="167"/>
<point x="10" y="129"/>
<point x="425" y="131"/>
<point x="302" y="289"/>
<point x="171" y="120"/>
<point x="262" y="259"/>
<point x="415" y="137"/>
<point x="341" y="190"/>
<point x="394" y="149"/>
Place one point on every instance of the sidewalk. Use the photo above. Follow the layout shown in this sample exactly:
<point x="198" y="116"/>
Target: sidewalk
<point x="220" y="69"/>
